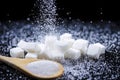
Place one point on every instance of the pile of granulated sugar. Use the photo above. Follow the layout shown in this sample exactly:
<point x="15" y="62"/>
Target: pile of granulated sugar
<point x="43" y="67"/>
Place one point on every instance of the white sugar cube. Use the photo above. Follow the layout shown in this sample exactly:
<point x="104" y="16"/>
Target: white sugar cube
<point x="50" y="42"/>
<point x="57" y="56"/>
<point x="95" y="50"/>
<point x="72" y="53"/>
<point x="66" y="36"/>
<point x="28" y="46"/>
<point x="31" y="55"/>
<point x="54" y="55"/>
<point x="102" y="47"/>
<point x="41" y="54"/>
<point x="81" y="45"/>
<point x="68" y="41"/>
<point x="21" y="44"/>
<point x="42" y="47"/>
<point x="17" y="52"/>
<point x="64" y="44"/>
<point x="38" y="48"/>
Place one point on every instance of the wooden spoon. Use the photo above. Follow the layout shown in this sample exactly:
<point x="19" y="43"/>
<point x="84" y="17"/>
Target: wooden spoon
<point x="20" y="64"/>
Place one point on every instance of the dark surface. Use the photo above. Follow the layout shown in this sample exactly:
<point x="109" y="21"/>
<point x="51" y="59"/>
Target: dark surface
<point x="15" y="9"/>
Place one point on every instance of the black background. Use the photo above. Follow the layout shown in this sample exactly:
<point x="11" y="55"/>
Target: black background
<point x="75" y="9"/>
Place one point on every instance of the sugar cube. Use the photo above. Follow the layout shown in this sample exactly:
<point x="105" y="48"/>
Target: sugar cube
<point x="50" y="42"/>
<point x="81" y="45"/>
<point x="28" y="46"/>
<point x="72" y="53"/>
<point x="102" y="47"/>
<point x="55" y="55"/>
<point x="31" y="55"/>
<point x="41" y="54"/>
<point x="17" y="52"/>
<point x="63" y="45"/>
<point x="66" y="36"/>
<point x="95" y="50"/>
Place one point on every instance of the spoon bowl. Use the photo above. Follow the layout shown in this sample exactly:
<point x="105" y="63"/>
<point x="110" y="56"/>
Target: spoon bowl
<point x="20" y="64"/>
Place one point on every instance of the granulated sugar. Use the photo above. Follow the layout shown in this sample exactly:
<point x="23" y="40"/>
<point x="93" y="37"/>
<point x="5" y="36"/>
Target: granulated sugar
<point x="43" y="67"/>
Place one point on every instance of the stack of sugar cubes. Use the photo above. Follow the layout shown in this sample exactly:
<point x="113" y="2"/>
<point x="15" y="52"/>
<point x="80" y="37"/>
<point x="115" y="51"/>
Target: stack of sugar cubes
<point x="57" y="49"/>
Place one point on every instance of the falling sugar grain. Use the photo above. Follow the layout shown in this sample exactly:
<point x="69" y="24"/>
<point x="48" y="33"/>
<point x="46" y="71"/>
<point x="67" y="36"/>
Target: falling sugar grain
<point x="47" y="14"/>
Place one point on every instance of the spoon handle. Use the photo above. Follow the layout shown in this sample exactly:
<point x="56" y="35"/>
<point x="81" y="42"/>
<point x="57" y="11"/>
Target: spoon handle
<point x="4" y="59"/>
<point x="16" y="61"/>
<point x="7" y="60"/>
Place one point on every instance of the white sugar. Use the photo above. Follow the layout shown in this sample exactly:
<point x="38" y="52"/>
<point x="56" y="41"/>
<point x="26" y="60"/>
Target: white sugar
<point x="95" y="50"/>
<point x="72" y="53"/>
<point x="81" y="45"/>
<point x="31" y="55"/>
<point x="31" y="47"/>
<point x="66" y="36"/>
<point x="43" y="67"/>
<point x="17" y="52"/>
